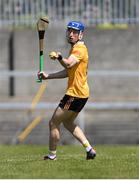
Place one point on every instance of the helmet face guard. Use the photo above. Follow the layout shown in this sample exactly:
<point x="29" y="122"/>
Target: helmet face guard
<point x="76" y="25"/>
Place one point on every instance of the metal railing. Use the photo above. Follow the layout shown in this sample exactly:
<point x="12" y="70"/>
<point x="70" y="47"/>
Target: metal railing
<point x="29" y="73"/>
<point x="91" y="12"/>
<point x="91" y="106"/>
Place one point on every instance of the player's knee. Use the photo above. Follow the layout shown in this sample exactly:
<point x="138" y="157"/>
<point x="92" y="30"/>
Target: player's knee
<point x="51" y="125"/>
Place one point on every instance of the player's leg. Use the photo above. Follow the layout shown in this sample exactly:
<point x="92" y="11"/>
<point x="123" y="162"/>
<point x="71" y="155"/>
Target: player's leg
<point x="54" y="128"/>
<point x="77" y="132"/>
<point x="74" y="105"/>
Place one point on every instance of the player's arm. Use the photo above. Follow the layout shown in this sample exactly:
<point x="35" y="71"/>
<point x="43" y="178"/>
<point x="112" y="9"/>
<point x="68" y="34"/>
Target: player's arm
<point x="65" y="62"/>
<point x="57" y="75"/>
<point x="69" y="62"/>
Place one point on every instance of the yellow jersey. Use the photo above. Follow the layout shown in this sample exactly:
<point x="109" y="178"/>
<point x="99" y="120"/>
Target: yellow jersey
<point x="77" y="75"/>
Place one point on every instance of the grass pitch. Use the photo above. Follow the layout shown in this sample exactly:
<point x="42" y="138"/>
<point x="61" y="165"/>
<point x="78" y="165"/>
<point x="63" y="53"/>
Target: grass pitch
<point x="25" y="161"/>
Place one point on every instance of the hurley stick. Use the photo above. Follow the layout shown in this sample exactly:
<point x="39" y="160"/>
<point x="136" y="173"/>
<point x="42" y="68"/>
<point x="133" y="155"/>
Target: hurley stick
<point x="42" y="25"/>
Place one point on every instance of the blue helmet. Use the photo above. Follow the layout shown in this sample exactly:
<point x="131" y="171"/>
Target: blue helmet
<point x="76" y="25"/>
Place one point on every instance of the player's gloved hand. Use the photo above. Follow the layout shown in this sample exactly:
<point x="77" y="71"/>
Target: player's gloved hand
<point x="42" y="75"/>
<point x="55" y="55"/>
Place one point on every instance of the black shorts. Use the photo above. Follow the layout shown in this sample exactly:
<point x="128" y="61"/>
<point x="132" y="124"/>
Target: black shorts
<point x="72" y="103"/>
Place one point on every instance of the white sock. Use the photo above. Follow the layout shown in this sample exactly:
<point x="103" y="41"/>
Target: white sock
<point x="88" y="148"/>
<point x="52" y="154"/>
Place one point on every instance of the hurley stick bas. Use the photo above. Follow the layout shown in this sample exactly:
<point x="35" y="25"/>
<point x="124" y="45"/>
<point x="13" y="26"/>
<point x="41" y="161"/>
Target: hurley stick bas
<point x="42" y="25"/>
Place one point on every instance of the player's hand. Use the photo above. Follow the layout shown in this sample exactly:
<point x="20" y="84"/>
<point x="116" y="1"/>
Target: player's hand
<point x="42" y="75"/>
